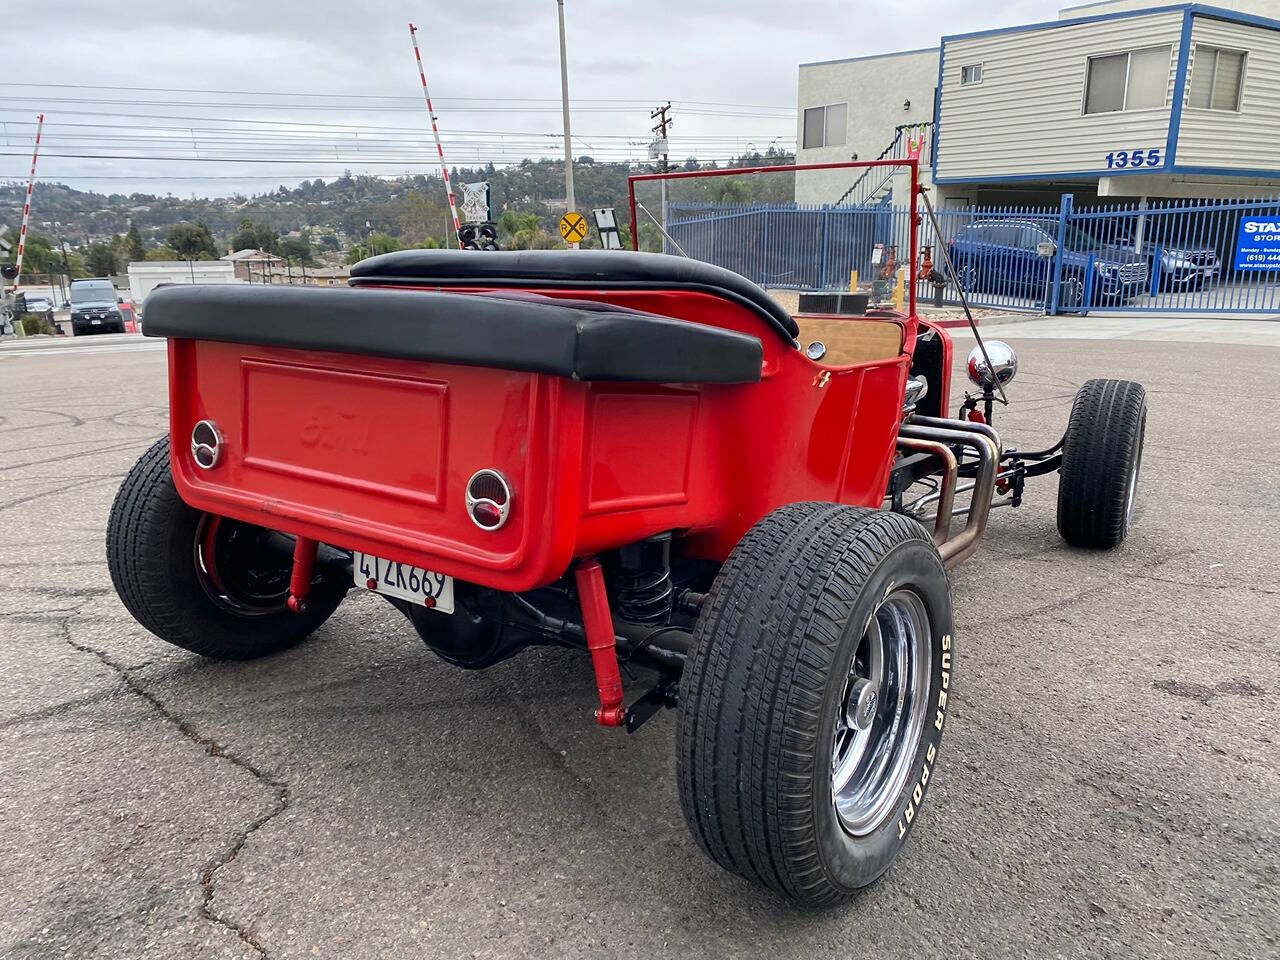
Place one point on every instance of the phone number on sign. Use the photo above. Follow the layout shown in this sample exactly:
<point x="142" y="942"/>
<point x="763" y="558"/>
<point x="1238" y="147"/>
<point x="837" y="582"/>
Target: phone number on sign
<point x="1119" y="159"/>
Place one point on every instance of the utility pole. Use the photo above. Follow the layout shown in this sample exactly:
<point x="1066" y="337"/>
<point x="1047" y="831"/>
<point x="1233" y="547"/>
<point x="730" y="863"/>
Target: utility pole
<point x="660" y="130"/>
<point x="661" y="148"/>
<point x="66" y="267"/>
<point x="564" y="103"/>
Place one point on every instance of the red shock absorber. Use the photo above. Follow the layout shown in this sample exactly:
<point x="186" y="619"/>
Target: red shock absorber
<point x="598" y="622"/>
<point x="304" y="561"/>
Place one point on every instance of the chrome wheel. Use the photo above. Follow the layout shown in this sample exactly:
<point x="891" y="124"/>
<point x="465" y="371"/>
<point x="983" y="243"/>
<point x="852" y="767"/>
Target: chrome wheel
<point x="1131" y="493"/>
<point x="882" y="710"/>
<point x="242" y="568"/>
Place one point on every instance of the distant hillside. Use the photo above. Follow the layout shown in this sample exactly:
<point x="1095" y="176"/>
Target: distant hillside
<point x="410" y="209"/>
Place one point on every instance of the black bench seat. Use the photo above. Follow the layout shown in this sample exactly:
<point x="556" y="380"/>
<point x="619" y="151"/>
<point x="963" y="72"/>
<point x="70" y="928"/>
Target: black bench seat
<point x="583" y="341"/>
<point x="572" y="269"/>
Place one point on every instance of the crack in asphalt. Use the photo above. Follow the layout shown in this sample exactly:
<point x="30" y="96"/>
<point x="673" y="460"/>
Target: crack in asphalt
<point x="53" y="491"/>
<point x="126" y="445"/>
<point x="280" y="789"/>
<point x="1248" y="587"/>
<point x="58" y="709"/>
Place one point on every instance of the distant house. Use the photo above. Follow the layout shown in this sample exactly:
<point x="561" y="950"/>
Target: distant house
<point x="255" y="266"/>
<point x="328" y="276"/>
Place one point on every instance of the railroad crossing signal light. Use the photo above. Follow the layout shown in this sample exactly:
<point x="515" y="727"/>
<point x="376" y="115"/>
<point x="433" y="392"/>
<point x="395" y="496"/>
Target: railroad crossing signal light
<point x="479" y="236"/>
<point x="8" y="271"/>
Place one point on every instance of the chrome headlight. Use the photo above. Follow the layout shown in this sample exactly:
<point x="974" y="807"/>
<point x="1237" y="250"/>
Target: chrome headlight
<point x="1003" y="367"/>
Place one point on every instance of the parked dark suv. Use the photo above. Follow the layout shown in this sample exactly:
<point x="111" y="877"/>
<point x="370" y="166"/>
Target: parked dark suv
<point x="95" y="307"/>
<point x="1012" y="257"/>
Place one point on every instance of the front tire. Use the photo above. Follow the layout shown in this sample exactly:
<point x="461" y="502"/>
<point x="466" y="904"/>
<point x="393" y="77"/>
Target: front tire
<point x="208" y="584"/>
<point x="1101" y="460"/>
<point x="812" y="702"/>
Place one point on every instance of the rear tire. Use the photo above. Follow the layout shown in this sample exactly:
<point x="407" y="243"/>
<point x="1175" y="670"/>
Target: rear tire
<point x="165" y="560"/>
<point x="1101" y="460"/>
<point x="773" y="783"/>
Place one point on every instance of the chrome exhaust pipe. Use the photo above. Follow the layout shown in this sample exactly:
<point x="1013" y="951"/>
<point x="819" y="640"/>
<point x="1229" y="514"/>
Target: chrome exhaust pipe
<point x="946" y="494"/>
<point x="958" y="548"/>
<point x="942" y="423"/>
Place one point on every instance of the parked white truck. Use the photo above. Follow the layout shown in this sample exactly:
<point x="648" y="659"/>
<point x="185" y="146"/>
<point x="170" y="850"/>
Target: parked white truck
<point x="146" y="275"/>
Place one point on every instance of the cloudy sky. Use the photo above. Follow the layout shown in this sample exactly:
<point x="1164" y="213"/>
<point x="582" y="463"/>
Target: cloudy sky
<point x="239" y="96"/>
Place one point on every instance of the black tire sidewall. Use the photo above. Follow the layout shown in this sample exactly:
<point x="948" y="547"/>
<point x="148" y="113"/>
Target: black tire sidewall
<point x="1101" y="456"/>
<point x="852" y="862"/>
<point x="154" y="569"/>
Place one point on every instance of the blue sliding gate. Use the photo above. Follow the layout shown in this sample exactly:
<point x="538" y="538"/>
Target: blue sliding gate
<point x="1189" y="256"/>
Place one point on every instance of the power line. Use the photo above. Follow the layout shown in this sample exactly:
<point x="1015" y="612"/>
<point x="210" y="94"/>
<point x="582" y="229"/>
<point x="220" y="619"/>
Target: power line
<point x="42" y="102"/>
<point x="346" y="161"/>
<point x="310" y="124"/>
<point x="376" y="96"/>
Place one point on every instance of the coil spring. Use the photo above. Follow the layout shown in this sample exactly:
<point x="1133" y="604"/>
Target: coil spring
<point x="645" y="596"/>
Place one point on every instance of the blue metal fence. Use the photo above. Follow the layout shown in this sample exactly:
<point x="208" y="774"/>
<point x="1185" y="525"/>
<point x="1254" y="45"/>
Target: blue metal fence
<point x="1191" y="256"/>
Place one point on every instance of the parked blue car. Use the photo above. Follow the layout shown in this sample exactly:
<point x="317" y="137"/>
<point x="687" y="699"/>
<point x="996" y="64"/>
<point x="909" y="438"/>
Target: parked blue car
<point x="1012" y="257"/>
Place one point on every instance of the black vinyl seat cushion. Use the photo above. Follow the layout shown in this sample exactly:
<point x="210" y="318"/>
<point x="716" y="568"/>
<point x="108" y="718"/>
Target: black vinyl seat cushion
<point x="589" y="341"/>
<point x="570" y="269"/>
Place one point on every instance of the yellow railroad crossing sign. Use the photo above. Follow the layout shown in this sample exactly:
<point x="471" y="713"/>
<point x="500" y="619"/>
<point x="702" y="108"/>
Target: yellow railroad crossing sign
<point x="573" y="227"/>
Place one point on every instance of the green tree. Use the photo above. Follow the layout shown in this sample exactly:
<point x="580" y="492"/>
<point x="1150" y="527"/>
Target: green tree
<point x="192" y="241"/>
<point x="38" y="255"/>
<point x="522" y="231"/>
<point x="133" y="248"/>
<point x="256" y="235"/>
<point x="101" y="260"/>
<point x="162" y="252"/>
<point x="376" y="244"/>
<point x="296" y="249"/>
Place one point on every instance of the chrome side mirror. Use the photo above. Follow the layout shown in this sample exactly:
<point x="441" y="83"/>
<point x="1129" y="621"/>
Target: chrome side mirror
<point x="1003" y="367"/>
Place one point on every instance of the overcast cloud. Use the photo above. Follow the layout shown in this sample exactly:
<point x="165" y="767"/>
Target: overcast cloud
<point x="726" y="51"/>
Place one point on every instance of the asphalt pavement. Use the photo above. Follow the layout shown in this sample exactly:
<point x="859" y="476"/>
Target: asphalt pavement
<point x="1109" y="784"/>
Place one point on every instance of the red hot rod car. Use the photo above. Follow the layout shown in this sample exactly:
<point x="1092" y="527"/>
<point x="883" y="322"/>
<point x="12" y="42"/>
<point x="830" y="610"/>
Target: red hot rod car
<point x="636" y="455"/>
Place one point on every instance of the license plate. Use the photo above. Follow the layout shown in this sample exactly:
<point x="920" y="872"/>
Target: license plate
<point x="433" y="590"/>
<point x="95" y="321"/>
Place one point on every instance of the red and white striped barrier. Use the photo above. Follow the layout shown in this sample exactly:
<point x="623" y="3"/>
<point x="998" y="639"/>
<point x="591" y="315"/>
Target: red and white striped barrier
<point x="444" y="170"/>
<point x="26" y="207"/>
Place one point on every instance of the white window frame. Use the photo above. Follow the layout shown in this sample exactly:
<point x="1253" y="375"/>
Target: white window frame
<point x="824" y="107"/>
<point x="971" y="66"/>
<point x="1128" y="66"/>
<point x="1213" y="78"/>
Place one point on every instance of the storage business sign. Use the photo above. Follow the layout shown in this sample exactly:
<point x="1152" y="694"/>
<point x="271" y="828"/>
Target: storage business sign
<point x="1258" y="244"/>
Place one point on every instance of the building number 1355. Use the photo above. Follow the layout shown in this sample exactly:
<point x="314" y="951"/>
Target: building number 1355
<point x="1120" y="159"/>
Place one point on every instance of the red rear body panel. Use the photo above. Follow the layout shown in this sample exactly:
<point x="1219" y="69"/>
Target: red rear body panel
<point x="373" y="454"/>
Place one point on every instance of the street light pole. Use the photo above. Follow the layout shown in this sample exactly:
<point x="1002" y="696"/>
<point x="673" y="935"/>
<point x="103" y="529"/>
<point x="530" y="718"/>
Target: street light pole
<point x="564" y="101"/>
